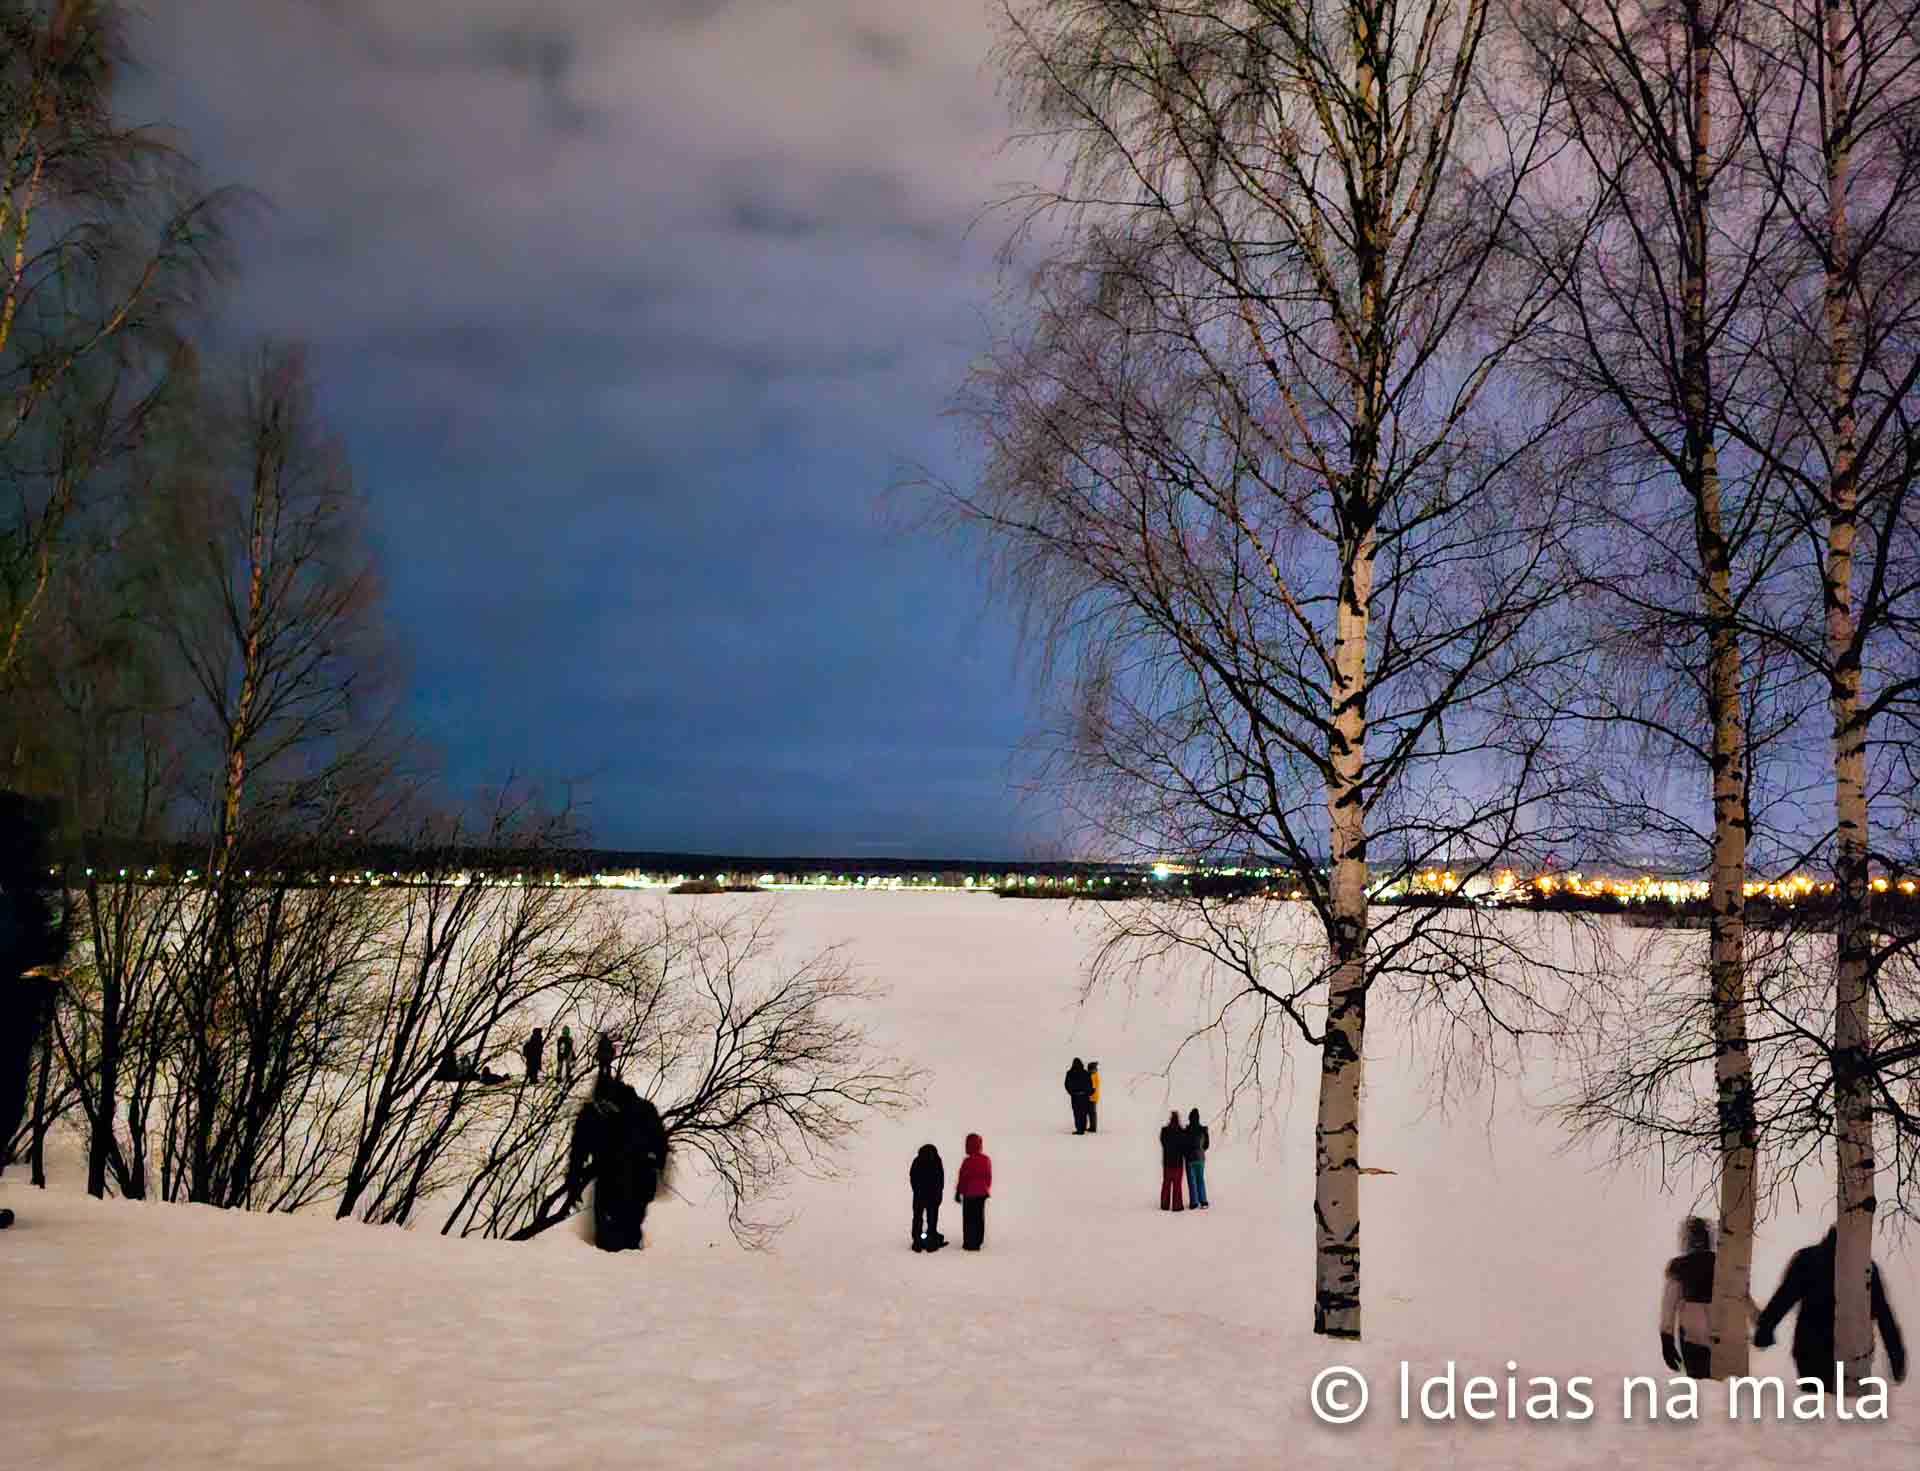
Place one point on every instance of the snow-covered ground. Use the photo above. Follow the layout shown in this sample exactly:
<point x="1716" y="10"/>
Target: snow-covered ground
<point x="1093" y="1331"/>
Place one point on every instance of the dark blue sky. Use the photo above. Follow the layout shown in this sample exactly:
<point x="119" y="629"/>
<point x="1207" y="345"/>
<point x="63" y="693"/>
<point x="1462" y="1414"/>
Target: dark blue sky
<point x="629" y="311"/>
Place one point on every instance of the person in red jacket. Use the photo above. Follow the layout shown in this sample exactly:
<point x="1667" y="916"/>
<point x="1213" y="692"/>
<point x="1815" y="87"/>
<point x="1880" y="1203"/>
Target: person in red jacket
<point x="971" y="1188"/>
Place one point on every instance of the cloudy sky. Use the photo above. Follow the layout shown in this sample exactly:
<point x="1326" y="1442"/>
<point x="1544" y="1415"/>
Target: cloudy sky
<point x="629" y="311"/>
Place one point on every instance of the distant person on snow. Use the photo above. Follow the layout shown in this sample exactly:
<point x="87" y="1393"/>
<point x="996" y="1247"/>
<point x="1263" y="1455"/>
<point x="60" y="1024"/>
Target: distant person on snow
<point x="451" y="1069"/>
<point x="928" y="1177"/>
<point x="1173" y="1162"/>
<point x="563" y="1056"/>
<point x="1093" y="1098"/>
<point x="1079" y="1088"/>
<point x="531" y="1051"/>
<point x="620" y="1146"/>
<point x="1809" y="1284"/>
<point x="1686" y="1294"/>
<point x="32" y="945"/>
<point x="1198" y="1141"/>
<point x="972" y="1187"/>
<point x="603" y="1054"/>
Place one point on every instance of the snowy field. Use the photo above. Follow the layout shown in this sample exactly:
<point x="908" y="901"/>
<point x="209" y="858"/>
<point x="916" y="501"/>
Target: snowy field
<point x="1093" y="1331"/>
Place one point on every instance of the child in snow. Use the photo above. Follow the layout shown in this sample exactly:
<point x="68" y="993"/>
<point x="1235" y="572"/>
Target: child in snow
<point x="1686" y="1340"/>
<point x="1093" y="1098"/>
<point x="563" y="1057"/>
<point x="1173" y="1162"/>
<point x="972" y="1187"/>
<point x="928" y="1176"/>
<point x="1198" y="1142"/>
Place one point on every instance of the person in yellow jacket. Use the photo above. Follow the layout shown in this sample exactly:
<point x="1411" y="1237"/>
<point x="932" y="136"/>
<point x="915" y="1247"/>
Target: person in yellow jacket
<point x="1093" y="1098"/>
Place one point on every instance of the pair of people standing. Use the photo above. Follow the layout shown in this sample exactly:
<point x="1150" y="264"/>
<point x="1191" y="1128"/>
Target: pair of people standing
<point x="563" y="1053"/>
<point x="1083" y="1092"/>
<point x="972" y="1188"/>
<point x="1183" y="1157"/>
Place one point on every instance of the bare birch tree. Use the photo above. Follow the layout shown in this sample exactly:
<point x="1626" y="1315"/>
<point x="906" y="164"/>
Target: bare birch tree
<point x="1834" y="142"/>
<point x="1665" y="245"/>
<point x="106" y="241"/>
<point x="1255" y="472"/>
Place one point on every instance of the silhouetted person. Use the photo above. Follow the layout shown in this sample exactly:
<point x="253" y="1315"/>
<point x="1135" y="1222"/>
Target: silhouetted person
<point x="603" y="1055"/>
<point x="1198" y="1142"/>
<point x="33" y="940"/>
<point x="563" y="1056"/>
<point x="530" y="1051"/>
<point x="1173" y="1162"/>
<point x="972" y="1187"/>
<point x="451" y="1069"/>
<point x="928" y="1176"/>
<point x="1808" y="1283"/>
<point x="620" y="1146"/>
<point x="1093" y="1098"/>
<point x="1686" y="1296"/>
<point x="1079" y="1087"/>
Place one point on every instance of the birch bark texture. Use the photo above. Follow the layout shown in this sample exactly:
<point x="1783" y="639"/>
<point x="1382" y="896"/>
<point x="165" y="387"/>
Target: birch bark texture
<point x="1254" y="476"/>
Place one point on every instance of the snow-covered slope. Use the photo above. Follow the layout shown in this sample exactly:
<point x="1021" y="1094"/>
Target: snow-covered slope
<point x="1094" y="1330"/>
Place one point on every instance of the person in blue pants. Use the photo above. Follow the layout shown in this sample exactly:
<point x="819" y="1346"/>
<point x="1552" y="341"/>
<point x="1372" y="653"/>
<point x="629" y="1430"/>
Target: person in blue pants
<point x="1198" y="1139"/>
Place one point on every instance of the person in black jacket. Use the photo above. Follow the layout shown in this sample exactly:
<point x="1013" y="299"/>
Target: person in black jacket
<point x="603" y="1055"/>
<point x="928" y="1176"/>
<point x="1079" y="1090"/>
<point x="619" y="1144"/>
<point x="1809" y="1284"/>
<point x="530" y="1054"/>
<point x="1199" y="1141"/>
<point x="33" y="942"/>
<point x="1173" y="1162"/>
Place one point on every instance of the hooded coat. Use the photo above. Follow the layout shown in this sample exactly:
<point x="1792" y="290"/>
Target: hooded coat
<point x="976" y="1171"/>
<point x="1079" y="1085"/>
<point x="928" y="1176"/>
<point x="620" y="1144"/>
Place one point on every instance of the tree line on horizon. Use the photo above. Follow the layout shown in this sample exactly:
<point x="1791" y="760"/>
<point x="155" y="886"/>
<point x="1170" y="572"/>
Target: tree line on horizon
<point x="1452" y="431"/>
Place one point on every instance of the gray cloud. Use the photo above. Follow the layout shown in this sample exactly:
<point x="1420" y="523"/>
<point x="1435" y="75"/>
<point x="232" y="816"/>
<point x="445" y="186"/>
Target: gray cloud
<point x="629" y="313"/>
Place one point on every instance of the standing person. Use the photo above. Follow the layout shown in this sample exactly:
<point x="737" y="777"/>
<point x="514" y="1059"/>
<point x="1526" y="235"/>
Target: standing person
<point x="1078" y="1087"/>
<point x="531" y="1052"/>
<point x="1686" y="1294"/>
<point x="1809" y="1283"/>
<point x="1198" y="1142"/>
<point x="620" y="1146"/>
<point x="603" y="1055"/>
<point x="563" y="1057"/>
<point x="1093" y="1097"/>
<point x="972" y="1187"/>
<point x="928" y="1177"/>
<point x="1173" y="1162"/>
<point x="32" y="944"/>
